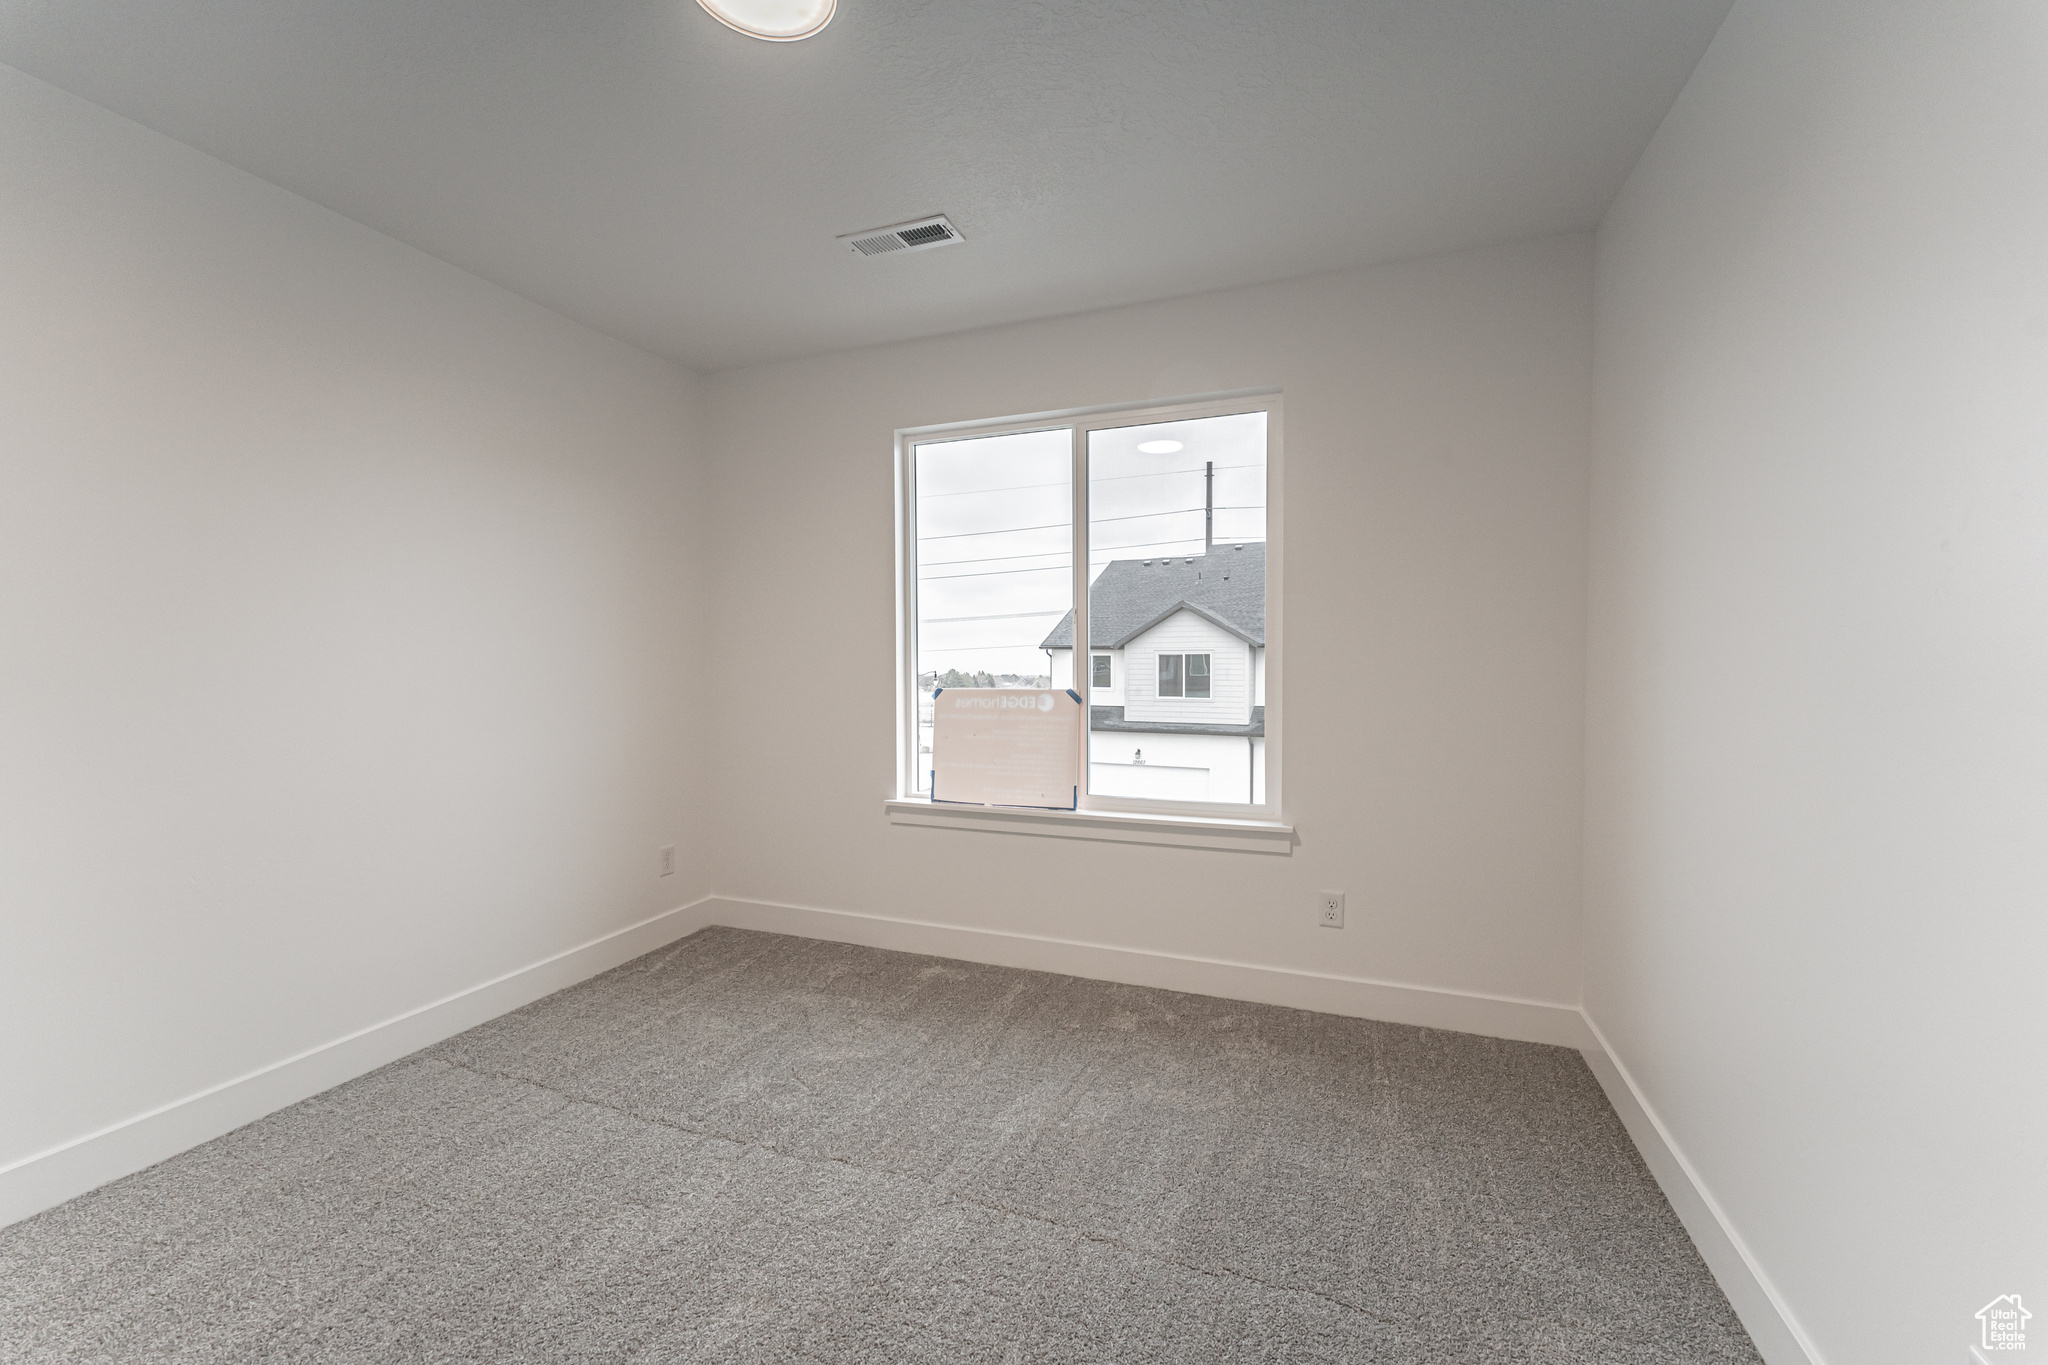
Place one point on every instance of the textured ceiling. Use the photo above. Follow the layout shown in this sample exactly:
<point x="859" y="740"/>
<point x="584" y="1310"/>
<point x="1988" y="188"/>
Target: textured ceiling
<point x="636" y="165"/>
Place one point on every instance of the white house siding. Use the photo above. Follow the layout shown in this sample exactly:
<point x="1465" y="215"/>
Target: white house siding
<point x="1176" y="767"/>
<point x="1150" y="782"/>
<point x="1230" y="674"/>
<point x="1063" y="675"/>
<point x="1115" y="695"/>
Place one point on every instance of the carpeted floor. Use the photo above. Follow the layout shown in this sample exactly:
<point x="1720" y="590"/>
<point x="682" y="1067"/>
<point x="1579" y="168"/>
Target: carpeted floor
<point x="746" y="1147"/>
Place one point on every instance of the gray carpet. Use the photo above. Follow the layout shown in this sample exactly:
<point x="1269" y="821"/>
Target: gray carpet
<point x="746" y="1147"/>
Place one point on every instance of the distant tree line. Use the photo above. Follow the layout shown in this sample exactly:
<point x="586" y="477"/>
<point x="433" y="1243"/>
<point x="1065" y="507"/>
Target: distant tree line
<point x="953" y="677"/>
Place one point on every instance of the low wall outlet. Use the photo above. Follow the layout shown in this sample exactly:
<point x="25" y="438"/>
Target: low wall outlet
<point x="1330" y="909"/>
<point x="668" y="860"/>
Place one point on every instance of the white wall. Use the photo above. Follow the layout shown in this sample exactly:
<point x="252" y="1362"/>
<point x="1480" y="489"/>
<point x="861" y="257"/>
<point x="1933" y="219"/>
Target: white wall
<point x="1435" y="445"/>
<point x="1818" y="855"/>
<point x="343" y="610"/>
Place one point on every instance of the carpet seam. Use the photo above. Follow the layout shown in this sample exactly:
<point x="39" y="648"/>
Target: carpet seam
<point x="946" y="1198"/>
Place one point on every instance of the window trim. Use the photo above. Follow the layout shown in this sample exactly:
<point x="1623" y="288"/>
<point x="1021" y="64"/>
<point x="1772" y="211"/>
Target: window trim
<point x="1187" y="675"/>
<point x="1100" y="826"/>
<point x="1266" y="816"/>
<point x="1106" y="664"/>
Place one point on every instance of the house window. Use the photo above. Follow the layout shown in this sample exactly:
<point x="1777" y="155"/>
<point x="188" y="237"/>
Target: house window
<point x="1184" y="675"/>
<point x="1145" y="529"/>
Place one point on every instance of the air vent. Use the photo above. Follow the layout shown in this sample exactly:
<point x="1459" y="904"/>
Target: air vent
<point x="920" y="234"/>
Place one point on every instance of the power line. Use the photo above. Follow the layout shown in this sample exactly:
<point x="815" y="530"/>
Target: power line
<point x="999" y="616"/>
<point x="1140" y="516"/>
<point x="1054" y="526"/>
<point x="1107" y="477"/>
<point x="989" y="559"/>
<point x="992" y="573"/>
<point x="1092" y="551"/>
<point x="1068" y="483"/>
<point x="1042" y="554"/>
<point x="1096" y="550"/>
<point x="1003" y="531"/>
<point x="1140" y="545"/>
<point x="1012" y="488"/>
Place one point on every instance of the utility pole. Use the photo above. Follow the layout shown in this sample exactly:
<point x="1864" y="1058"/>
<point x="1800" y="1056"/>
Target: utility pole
<point x="1209" y="509"/>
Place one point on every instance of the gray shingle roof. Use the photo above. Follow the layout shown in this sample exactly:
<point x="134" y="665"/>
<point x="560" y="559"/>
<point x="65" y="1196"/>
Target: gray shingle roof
<point x="1228" y="586"/>
<point x="1111" y="718"/>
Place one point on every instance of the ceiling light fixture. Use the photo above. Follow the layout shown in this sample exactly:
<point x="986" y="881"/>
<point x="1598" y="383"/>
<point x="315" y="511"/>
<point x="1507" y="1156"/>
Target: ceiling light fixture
<point x="1158" y="447"/>
<point x="778" y="21"/>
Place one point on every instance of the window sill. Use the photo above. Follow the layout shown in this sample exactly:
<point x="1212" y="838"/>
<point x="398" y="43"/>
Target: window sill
<point x="1117" y="827"/>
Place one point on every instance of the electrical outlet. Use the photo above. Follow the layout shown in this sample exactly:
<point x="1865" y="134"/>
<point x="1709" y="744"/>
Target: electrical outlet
<point x="668" y="860"/>
<point x="1330" y="909"/>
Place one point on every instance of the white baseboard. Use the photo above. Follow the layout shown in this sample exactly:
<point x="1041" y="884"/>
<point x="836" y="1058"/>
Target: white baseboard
<point x="1764" y="1313"/>
<point x="1756" y="1301"/>
<point x="1529" y="1021"/>
<point x="48" y="1178"/>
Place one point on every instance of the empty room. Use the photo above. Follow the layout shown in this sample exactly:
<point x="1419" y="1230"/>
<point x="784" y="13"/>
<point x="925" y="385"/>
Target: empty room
<point x="1173" y="681"/>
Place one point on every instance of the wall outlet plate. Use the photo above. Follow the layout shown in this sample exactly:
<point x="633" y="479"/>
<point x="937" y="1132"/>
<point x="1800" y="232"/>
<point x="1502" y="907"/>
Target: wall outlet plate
<point x="1330" y="909"/>
<point x="668" y="860"/>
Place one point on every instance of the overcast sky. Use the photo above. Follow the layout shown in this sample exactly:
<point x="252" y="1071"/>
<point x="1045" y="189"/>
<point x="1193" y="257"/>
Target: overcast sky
<point x="994" y="542"/>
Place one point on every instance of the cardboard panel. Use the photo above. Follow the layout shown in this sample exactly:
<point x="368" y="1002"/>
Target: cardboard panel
<point x="1007" y="746"/>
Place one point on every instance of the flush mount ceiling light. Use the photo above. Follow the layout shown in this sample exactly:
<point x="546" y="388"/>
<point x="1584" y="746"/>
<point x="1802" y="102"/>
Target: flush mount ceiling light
<point x="779" y="21"/>
<point x="1158" y="447"/>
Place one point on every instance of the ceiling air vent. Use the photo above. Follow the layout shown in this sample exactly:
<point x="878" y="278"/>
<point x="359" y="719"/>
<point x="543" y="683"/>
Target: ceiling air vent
<point x="920" y="234"/>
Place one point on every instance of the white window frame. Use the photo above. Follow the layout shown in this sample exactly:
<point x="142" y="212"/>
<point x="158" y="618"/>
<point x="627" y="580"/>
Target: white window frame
<point x="1108" y="662"/>
<point x="1258" y="827"/>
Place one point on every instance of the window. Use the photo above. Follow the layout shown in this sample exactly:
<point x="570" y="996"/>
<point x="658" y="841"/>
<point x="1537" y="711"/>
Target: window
<point x="1169" y="675"/>
<point x="1145" y="529"/>
<point x="1184" y="675"/>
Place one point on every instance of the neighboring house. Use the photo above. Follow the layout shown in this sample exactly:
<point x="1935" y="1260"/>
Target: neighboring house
<point x="1176" y="667"/>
